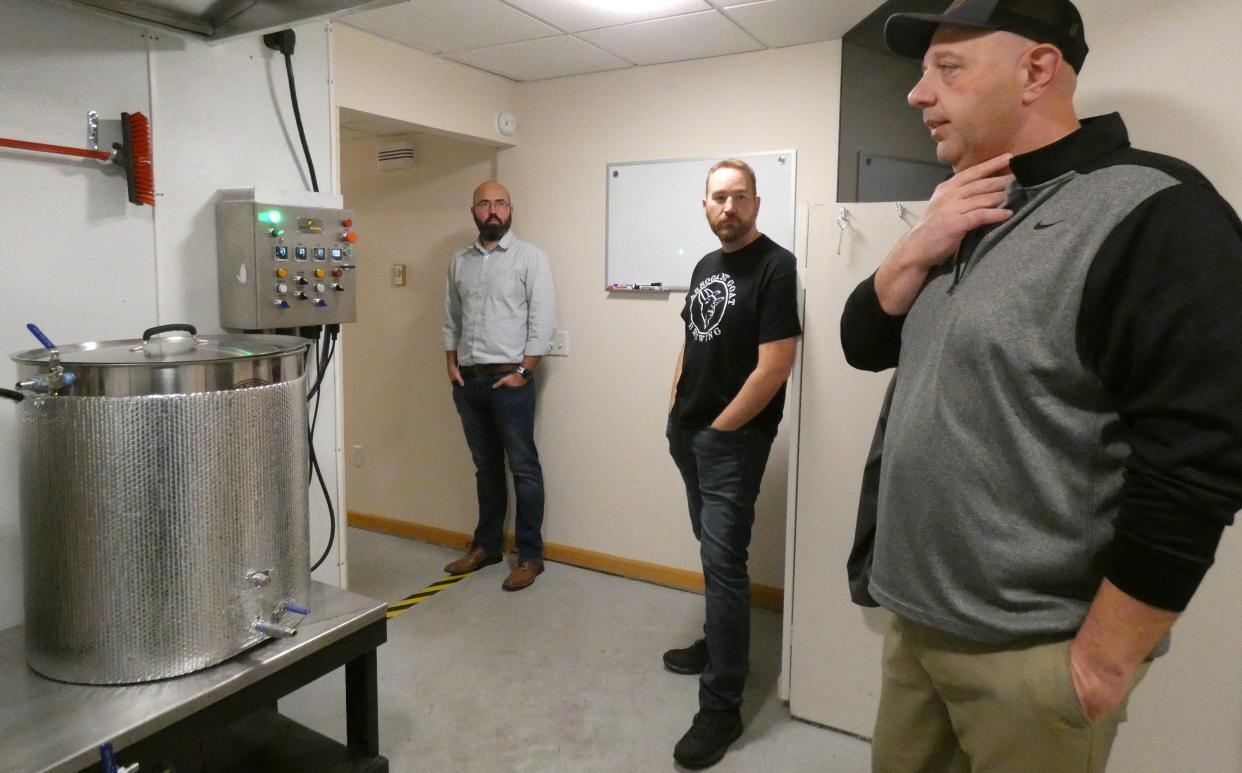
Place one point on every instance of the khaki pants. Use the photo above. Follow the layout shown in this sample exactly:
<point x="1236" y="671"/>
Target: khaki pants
<point x="949" y="705"/>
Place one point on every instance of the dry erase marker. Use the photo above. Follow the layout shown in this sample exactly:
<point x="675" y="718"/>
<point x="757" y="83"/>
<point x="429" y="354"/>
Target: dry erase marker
<point x="653" y="286"/>
<point x="622" y="287"/>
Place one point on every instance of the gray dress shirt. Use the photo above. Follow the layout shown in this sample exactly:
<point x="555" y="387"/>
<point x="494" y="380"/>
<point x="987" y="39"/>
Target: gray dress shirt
<point x="499" y="306"/>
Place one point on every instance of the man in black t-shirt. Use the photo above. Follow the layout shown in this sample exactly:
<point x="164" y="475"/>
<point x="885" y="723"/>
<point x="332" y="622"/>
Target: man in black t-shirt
<point x="741" y="317"/>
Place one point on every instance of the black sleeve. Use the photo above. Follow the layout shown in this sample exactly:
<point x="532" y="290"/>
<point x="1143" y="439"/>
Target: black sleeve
<point x="870" y="336"/>
<point x="1161" y="324"/>
<point x="778" y="302"/>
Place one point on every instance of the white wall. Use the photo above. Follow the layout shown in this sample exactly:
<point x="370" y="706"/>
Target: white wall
<point x="83" y="262"/>
<point x="400" y="409"/>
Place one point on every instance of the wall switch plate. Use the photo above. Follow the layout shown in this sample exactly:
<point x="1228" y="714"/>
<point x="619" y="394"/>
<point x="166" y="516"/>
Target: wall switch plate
<point x="560" y="344"/>
<point x="398" y="275"/>
<point x="357" y="454"/>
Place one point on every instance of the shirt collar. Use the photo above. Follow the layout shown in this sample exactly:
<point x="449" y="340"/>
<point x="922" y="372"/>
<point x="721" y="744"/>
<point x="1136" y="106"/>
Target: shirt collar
<point x="1097" y="137"/>
<point x="503" y="245"/>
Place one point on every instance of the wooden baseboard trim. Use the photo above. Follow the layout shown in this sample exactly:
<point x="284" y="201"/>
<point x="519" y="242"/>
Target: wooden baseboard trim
<point x="762" y="596"/>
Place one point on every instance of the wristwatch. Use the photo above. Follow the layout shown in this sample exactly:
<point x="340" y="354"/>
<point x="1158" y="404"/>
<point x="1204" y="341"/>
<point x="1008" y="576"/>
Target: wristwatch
<point x="523" y="372"/>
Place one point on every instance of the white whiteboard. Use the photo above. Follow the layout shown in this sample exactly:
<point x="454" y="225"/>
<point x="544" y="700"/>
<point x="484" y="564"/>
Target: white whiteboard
<point x="657" y="231"/>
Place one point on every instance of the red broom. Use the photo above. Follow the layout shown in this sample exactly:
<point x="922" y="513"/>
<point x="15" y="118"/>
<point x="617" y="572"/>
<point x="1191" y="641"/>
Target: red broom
<point x="133" y="154"/>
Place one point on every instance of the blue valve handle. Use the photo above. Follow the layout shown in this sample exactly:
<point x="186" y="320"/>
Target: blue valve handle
<point x="296" y="609"/>
<point x="106" y="756"/>
<point x="37" y="333"/>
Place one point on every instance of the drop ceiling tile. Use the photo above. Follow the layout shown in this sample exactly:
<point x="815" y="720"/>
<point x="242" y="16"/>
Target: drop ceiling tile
<point x="583" y="15"/>
<point x="792" y="22"/>
<point x="694" y="36"/>
<point x="442" y="26"/>
<point x="535" y="60"/>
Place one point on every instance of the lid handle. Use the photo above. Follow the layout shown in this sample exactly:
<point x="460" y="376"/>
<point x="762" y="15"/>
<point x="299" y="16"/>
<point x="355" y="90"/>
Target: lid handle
<point x="154" y="331"/>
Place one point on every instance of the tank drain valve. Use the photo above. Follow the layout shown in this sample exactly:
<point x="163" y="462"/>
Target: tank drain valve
<point x="107" y="759"/>
<point x="56" y="378"/>
<point x="274" y="630"/>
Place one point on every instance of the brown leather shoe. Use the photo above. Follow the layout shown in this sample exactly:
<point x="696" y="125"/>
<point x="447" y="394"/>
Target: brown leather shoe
<point x="523" y="575"/>
<point x="475" y="559"/>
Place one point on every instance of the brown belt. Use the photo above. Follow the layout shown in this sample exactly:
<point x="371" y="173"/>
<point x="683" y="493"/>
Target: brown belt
<point x="491" y="369"/>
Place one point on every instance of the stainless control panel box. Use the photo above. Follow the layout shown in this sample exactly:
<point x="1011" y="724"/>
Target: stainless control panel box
<point x="284" y="265"/>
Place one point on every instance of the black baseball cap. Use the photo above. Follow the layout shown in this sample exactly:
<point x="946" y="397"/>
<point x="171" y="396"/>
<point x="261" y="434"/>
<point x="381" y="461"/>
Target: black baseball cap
<point x="1043" y="21"/>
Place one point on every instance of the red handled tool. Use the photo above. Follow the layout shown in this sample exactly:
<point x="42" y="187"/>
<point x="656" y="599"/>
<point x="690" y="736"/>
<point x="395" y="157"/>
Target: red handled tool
<point x="133" y="154"/>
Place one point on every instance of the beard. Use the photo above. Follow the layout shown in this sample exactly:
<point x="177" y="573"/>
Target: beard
<point x="729" y="229"/>
<point x="493" y="229"/>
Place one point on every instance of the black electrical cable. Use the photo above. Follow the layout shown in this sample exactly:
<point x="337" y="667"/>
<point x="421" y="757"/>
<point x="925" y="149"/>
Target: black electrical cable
<point x="331" y="512"/>
<point x="323" y="358"/>
<point x="16" y="397"/>
<point x="284" y="42"/>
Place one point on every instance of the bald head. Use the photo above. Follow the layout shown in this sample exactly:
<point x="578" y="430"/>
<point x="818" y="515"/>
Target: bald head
<point x="490" y="191"/>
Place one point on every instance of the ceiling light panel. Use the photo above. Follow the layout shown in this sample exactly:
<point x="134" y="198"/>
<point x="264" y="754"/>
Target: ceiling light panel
<point x="451" y="25"/>
<point x="579" y="15"/>
<point x="695" y="36"/>
<point x="792" y="22"/>
<point x="535" y="60"/>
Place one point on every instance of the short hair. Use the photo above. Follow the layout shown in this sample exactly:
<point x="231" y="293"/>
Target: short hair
<point x="739" y="165"/>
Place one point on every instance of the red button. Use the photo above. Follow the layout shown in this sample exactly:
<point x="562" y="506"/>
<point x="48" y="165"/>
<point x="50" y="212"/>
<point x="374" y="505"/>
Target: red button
<point x="347" y="222"/>
<point x="338" y="273"/>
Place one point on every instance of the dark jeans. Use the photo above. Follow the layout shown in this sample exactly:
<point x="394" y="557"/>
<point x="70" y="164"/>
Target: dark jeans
<point x="499" y="422"/>
<point x="722" y="472"/>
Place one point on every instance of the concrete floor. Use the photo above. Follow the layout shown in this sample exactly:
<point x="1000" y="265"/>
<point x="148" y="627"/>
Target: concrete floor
<point x="563" y="676"/>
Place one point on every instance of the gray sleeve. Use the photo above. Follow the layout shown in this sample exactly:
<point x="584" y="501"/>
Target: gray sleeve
<point x="541" y="305"/>
<point x="452" y="310"/>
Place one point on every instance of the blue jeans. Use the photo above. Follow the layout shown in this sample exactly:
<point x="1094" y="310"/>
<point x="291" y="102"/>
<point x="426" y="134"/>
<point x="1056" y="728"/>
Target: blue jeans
<point x="722" y="472"/>
<point x="499" y="422"/>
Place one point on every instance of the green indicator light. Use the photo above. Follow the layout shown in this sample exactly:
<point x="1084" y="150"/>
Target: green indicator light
<point x="272" y="216"/>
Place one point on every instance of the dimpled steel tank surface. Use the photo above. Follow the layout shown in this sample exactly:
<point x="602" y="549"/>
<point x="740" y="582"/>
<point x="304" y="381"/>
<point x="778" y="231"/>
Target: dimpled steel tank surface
<point x="163" y="503"/>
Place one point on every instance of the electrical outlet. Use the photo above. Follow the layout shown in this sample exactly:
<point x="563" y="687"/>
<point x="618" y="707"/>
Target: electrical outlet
<point x="398" y="274"/>
<point x="358" y="460"/>
<point x="560" y="344"/>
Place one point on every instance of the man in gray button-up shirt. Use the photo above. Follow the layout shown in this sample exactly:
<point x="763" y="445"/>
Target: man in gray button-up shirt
<point x="499" y="316"/>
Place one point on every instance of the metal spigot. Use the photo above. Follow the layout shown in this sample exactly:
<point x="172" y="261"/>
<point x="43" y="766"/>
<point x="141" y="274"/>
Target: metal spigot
<point x="56" y="378"/>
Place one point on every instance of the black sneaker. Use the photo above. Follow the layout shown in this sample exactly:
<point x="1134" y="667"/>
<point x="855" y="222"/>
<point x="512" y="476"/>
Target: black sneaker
<point x="707" y="740"/>
<point x="688" y="660"/>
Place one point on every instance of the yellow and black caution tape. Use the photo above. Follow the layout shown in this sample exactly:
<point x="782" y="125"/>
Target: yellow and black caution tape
<point x="398" y="607"/>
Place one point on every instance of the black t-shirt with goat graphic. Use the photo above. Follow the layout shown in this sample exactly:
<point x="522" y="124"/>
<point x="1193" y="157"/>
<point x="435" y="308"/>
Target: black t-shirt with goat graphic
<point x="737" y="301"/>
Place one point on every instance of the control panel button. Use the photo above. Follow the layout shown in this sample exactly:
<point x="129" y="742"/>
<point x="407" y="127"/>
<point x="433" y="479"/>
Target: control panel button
<point x="336" y="253"/>
<point x="349" y="252"/>
<point x="338" y="272"/>
<point x="280" y="253"/>
<point x="281" y="273"/>
<point x="320" y="253"/>
<point x="319" y="287"/>
<point x="319" y="273"/>
<point x="282" y="288"/>
<point x="349" y="236"/>
<point x="299" y="253"/>
<point x="348" y="222"/>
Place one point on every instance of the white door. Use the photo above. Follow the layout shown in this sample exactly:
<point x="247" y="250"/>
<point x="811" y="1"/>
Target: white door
<point x="834" y="659"/>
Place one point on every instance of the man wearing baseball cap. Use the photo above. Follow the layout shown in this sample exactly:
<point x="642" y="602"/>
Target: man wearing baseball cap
<point x="1063" y="448"/>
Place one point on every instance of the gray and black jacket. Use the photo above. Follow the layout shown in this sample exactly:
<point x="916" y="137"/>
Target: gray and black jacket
<point x="1068" y="401"/>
